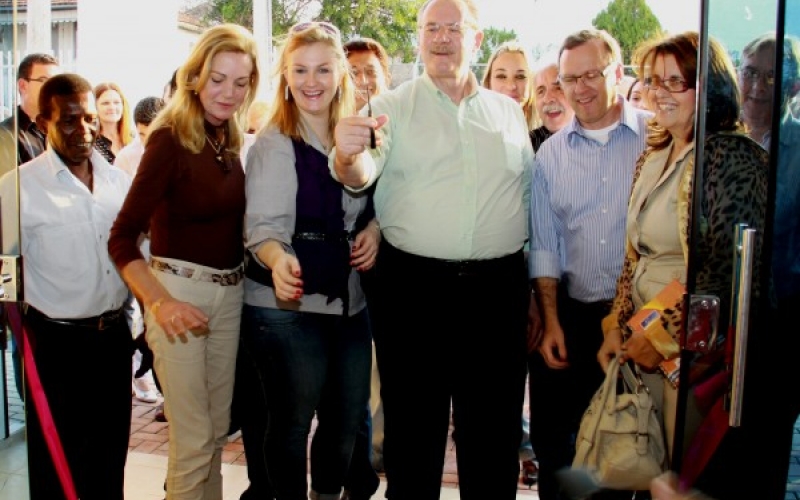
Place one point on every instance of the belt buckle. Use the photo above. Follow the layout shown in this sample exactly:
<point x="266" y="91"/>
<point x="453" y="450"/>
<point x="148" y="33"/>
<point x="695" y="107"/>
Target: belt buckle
<point x="227" y="279"/>
<point x="464" y="268"/>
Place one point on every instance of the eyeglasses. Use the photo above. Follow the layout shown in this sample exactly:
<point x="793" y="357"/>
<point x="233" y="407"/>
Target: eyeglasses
<point x="673" y="84"/>
<point x="588" y="78"/>
<point x="453" y="29"/>
<point x="753" y="75"/>
<point x="41" y="79"/>
<point x="324" y="25"/>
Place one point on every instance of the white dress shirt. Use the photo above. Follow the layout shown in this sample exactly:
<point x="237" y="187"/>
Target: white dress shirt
<point x="129" y="157"/>
<point x="64" y="235"/>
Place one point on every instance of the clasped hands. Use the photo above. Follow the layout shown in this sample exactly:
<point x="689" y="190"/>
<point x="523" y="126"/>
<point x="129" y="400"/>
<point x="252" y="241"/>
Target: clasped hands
<point x="287" y="272"/>
<point x="636" y="348"/>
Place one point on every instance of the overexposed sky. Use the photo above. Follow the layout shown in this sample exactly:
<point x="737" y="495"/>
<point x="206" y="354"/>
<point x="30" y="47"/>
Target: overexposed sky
<point x="543" y="22"/>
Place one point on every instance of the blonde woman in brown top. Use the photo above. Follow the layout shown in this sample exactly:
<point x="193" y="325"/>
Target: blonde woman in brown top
<point x="189" y="194"/>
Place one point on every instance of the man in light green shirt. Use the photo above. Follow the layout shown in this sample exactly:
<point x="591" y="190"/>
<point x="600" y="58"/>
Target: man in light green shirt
<point x="453" y="162"/>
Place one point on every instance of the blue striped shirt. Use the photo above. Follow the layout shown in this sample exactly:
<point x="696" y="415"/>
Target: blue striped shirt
<point x="579" y="201"/>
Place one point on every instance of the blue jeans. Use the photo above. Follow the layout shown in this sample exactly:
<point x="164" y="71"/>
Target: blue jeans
<point x="309" y="363"/>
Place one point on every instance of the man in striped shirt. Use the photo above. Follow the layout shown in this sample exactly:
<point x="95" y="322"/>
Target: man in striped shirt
<point x="579" y="196"/>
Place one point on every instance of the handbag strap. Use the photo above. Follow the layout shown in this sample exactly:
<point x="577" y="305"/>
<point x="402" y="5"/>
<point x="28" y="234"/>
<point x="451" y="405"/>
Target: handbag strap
<point x="607" y="396"/>
<point x="636" y="386"/>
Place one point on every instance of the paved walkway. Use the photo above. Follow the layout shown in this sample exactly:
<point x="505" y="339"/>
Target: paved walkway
<point x="150" y="437"/>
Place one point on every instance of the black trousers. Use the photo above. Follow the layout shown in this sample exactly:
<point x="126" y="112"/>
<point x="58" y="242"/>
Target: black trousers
<point x="96" y="447"/>
<point x="451" y="333"/>
<point x="558" y="398"/>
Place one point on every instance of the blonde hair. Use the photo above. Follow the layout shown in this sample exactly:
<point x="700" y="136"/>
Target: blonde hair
<point x="528" y="108"/>
<point x="285" y="116"/>
<point x="125" y="124"/>
<point x="185" y="114"/>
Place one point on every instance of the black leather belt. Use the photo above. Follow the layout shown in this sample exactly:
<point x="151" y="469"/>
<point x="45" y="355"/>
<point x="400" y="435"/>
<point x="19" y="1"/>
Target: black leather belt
<point x="475" y="267"/>
<point x="101" y="322"/>
<point x="343" y="236"/>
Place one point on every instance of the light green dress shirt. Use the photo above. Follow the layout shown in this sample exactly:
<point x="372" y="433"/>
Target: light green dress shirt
<point x="453" y="179"/>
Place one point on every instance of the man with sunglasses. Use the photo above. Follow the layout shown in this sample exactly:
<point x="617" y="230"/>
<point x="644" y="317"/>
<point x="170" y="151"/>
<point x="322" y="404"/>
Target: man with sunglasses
<point x="579" y="197"/>
<point x="34" y="70"/>
<point x="452" y="163"/>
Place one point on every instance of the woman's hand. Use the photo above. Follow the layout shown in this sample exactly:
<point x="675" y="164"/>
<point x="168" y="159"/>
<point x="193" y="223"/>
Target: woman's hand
<point x="641" y="351"/>
<point x="365" y="247"/>
<point x="611" y="348"/>
<point x="286" y="273"/>
<point x="176" y="317"/>
<point x="665" y="487"/>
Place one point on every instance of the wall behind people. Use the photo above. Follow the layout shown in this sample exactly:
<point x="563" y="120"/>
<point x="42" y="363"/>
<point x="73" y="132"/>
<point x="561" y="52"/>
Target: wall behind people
<point x="118" y="42"/>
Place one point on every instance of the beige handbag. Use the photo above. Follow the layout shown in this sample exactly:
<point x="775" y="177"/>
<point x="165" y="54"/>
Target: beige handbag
<point x="621" y="441"/>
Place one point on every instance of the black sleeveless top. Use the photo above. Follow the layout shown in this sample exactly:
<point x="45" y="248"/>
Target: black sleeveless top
<point x="320" y="241"/>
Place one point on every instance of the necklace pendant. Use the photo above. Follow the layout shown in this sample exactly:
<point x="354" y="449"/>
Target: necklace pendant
<point x="219" y="158"/>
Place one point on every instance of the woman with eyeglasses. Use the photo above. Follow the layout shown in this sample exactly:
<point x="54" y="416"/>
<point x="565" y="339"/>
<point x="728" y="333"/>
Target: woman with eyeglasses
<point x="305" y="321"/>
<point x="660" y="207"/>
<point x="189" y="193"/>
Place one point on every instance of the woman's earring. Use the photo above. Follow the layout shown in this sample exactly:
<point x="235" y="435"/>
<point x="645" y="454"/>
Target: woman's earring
<point x="286" y="93"/>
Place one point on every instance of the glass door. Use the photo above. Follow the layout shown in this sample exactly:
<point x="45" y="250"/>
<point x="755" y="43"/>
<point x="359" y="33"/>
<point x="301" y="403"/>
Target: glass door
<point x="739" y="398"/>
<point x="11" y="406"/>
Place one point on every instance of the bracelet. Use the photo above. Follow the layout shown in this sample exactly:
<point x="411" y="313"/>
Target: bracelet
<point x="155" y="306"/>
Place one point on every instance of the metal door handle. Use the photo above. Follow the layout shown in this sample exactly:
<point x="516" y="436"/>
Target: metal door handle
<point x="741" y="330"/>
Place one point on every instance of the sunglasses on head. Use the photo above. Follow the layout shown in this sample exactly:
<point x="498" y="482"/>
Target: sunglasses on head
<point x="324" y="25"/>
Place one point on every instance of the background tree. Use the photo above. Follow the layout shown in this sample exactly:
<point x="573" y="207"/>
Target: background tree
<point x="285" y="13"/>
<point x="493" y="38"/>
<point x="630" y="22"/>
<point x="393" y="23"/>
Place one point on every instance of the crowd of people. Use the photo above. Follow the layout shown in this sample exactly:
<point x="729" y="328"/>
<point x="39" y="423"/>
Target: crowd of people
<point x="375" y="261"/>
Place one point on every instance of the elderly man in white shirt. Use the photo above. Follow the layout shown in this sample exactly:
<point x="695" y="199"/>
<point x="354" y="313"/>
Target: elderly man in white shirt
<point x="452" y="166"/>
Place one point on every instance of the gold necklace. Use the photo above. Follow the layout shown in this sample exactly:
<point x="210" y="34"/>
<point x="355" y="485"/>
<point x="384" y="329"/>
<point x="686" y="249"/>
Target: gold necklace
<point x="219" y="155"/>
<point x="216" y="146"/>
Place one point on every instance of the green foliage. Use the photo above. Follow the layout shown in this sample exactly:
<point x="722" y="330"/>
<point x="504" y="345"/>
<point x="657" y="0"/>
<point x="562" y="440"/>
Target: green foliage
<point x="393" y="23"/>
<point x="630" y="22"/>
<point x="493" y="38"/>
<point x="390" y="22"/>
<point x="285" y="13"/>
